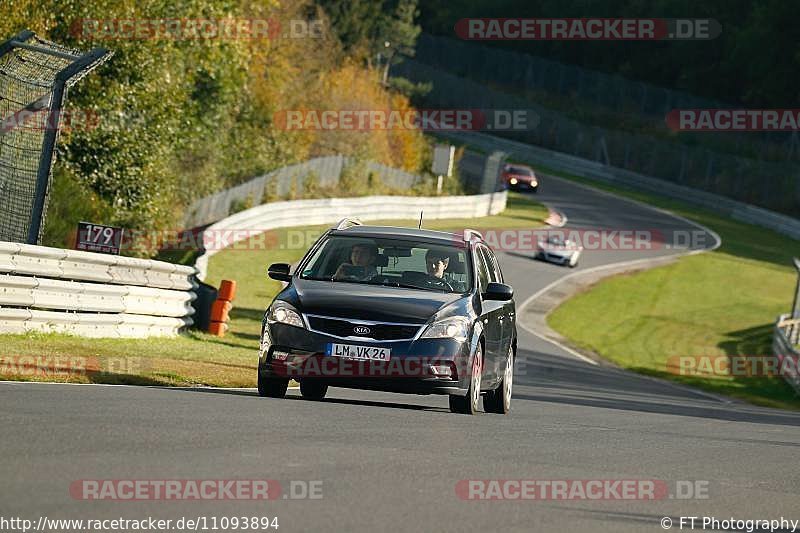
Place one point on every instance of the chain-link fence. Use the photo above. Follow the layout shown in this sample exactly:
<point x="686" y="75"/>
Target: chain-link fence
<point x="772" y="185"/>
<point x="608" y="96"/>
<point x="278" y="184"/>
<point x="34" y="77"/>
<point x="495" y="65"/>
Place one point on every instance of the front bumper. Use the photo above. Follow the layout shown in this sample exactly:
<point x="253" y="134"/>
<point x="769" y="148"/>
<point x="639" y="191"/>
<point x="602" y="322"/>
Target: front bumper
<point x="300" y="354"/>
<point x="554" y="258"/>
<point x="522" y="185"/>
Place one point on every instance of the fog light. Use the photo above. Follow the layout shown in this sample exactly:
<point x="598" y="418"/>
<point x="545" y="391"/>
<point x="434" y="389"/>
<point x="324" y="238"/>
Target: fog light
<point x="442" y="370"/>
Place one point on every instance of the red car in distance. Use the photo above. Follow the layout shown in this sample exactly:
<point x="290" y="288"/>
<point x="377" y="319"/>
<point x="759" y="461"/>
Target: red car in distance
<point x="519" y="177"/>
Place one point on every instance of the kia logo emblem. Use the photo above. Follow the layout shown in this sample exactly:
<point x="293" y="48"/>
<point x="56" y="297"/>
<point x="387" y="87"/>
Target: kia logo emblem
<point x="362" y="330"/>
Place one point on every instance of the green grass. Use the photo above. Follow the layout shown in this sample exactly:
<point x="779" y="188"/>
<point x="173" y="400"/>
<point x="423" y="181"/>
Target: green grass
<point x="720" y="303"/>
<point x="196" y="358"/>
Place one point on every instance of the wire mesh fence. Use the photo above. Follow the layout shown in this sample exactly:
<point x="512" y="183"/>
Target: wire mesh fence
<point x="495" y="65"/>
<point x="592" y="92"/>
<point x="34" y="77"/>
<point x="586" y="93"/>
<point x="279" y="183"/>
<point x="772" y="185"/>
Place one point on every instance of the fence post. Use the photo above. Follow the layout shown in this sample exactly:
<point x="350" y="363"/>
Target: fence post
<point x="796" y="303"/>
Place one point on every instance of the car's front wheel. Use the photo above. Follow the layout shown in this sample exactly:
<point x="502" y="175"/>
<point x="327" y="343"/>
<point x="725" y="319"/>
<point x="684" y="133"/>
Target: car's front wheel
<point x="468" y="405"/>
<point x="313" y="390"/>
<point x="499" y="400"/>
<point x="272" y="387"/>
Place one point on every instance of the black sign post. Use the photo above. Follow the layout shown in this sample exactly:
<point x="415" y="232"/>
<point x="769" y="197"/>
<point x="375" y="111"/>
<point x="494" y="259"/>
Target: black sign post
<point x="99" y="238"/>
<point x="796" y="304"/>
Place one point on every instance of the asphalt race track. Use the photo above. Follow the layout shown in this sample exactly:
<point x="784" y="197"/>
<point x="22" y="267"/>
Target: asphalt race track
<point x="390" y="462"/>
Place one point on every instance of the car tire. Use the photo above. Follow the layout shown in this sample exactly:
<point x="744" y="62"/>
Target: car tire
<point x="535" y="190"/>
<point x="468" y="405"/>
<point x="499" y="400"/>
<point x="272" y="387"/>
<point x="312" y="389"/>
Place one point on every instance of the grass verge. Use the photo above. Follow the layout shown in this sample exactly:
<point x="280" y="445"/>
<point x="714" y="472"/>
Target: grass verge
<point x="196" y="358"/>
<point x="716" y="304"/>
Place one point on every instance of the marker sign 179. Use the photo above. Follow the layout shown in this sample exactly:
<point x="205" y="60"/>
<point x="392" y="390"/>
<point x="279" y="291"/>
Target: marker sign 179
<point x="98" y="238"/>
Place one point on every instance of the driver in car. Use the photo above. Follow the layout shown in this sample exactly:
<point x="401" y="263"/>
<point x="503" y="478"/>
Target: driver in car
<point x="362" y="263"/>
<point x="436" y="263"/>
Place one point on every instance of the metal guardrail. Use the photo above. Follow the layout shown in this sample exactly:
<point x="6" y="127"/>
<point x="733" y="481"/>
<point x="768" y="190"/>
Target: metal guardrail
<point x="785" y="341"/>
<point x="90" y="294"/>
<point x="26" y="259"/>
<point x="275" y="215"/>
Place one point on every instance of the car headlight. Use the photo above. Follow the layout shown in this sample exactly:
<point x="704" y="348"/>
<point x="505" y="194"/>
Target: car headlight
<point x="284" y="313"/>
<point x="449" y="328"/>
<point x="513" y="181"/>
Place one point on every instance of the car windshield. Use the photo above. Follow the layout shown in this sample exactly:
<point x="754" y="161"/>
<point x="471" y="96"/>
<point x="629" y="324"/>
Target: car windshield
<point x="391" y="262"/>
<point x="519" y="171"/>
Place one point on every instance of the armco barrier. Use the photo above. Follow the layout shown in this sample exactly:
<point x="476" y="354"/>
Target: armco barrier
<point x="89" y="294"/>
<point x="329" y="210"/>
<point x="785" y="339"/>
<point x="597" y="171"/>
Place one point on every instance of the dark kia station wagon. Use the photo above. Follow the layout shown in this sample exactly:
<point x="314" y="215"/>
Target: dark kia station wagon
<point x="392" y="309"/>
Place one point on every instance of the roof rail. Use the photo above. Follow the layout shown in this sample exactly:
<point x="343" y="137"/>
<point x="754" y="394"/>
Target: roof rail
<point x="470" y="233"/>
<point x="348" y="222"/>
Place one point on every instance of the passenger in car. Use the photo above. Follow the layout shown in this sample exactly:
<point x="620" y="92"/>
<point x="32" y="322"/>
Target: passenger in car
<point x="362" y="263"/>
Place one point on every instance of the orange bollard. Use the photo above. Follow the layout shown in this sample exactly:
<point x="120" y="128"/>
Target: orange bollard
<point x="218" y="328"/>
<point x="227" y="290"/>
<point x="220" y="310"/>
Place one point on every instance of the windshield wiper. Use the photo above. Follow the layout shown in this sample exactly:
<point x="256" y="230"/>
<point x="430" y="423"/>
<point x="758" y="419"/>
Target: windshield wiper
<point x="318" y="278"/>
<point x="388" y="283"/>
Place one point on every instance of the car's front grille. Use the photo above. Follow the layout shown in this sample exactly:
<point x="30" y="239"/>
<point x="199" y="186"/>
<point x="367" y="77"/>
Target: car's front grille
<point x="379" y="331"/>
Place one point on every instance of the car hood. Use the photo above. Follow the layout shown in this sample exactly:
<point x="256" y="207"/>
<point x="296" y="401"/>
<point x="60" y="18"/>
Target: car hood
<point x="368" y="302"/>
<point x="558" y="250"/>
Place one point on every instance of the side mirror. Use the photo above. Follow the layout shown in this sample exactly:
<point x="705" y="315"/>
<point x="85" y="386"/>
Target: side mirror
<point x="279" y="271"/>
<point x="498" y="291"/>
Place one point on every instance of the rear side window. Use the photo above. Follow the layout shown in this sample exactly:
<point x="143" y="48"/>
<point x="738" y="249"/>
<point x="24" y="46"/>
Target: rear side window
<point x="483" y="269"/>
<point x="494" y="268"/>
